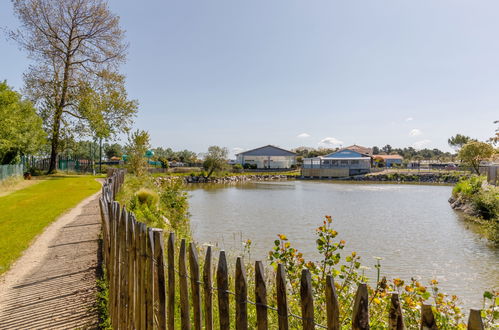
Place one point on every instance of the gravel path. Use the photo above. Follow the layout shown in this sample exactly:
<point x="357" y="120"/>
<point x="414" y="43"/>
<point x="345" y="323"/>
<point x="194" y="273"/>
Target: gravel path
<point x="53" y="285"/>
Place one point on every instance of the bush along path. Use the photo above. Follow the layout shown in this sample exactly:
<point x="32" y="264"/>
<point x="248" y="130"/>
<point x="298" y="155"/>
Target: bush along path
<point x="54" y="284"/>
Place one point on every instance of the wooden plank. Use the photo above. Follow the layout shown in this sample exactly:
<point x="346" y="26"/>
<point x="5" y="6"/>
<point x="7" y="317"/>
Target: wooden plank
<point x="117" y="266"/>
<point x="131" y="271"/>
<point x="282" y="300"/>
<point x="261" y="297"/>
<point x="475" y="321"/>
<point x="123" y="302"/>
<point x="241" y="288"/>
<point x="332" y="305"/>
<point x="136" y="271"/>
<point x="208" y="293"/>
<point x="195" y="285"/>
<point x="395" y="318"/>
<point x="427" y="318"/>
<point x="184" y="292"/>
<point x="142" y="275"/>
<point x="307" y="300"/>
<point x="160" y="280"/>
<point x="171" y="282"/>
<point x="149" y="283"/>
<point x="360" y="313"/>
<point x="223" y="294"/>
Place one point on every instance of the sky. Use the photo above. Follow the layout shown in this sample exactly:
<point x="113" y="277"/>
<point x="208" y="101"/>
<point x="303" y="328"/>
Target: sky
<point x="243" y="74"/>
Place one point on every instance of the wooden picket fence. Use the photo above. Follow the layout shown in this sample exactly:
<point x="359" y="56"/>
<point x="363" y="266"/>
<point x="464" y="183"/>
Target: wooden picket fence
<point x="142" y="283"/>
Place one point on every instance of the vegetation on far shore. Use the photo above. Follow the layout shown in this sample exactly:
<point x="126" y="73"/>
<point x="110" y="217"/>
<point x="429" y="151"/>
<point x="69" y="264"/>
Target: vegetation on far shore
<point x="26" y="212"/>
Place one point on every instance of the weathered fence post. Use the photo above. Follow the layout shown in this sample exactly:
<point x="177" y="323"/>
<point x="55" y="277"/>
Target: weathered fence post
<point x="117" y="266"/>
<point x="241" y="296"/>
<point x="395" y="318"/>
<point x="143" y="275"/>
<point x="282" y="301"/>
<point x="171" y="282"/>
<point x="427" y="318"/>
<point x="360" y="317"/>
<point x="137" y="279"/>
<point x="208" y="294"/>
<point x="475" y="320"/>
<point x="332" y="305"/>
<point x="307" y="300"/>
<point x="131" y="270"/>
<point x="150" y="279"/>
<point x="160" y="280"/>
<point x="195" y="285"/>
<point x="260" y="297"/>
<point x="223" y="294"/>
<point x="123" y="300"/>
<point x="184" y="291"/>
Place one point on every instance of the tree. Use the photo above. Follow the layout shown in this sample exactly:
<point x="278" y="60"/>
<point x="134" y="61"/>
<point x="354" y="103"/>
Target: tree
<point x="136" y="148"/>
<point x="472" y="153"/>
<point x="77" y="46"/>
<point x="458" y="141"/>
<point x="21" y="130"/>
<point x="387" y="149"/>
<point x="215" y="160"/>
<point x="375" y="150"/>
<point x="113" y="150"/>
<point x="495" y="139"/>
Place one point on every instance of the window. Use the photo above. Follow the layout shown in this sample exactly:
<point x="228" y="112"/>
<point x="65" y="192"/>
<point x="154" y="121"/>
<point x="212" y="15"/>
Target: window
<point x="344" y="162"/>
<point x="355" y="161"/>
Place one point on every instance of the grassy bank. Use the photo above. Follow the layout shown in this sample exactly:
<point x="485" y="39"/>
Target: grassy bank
<point x="26" y="212"/>
<point x="480" y="202"/>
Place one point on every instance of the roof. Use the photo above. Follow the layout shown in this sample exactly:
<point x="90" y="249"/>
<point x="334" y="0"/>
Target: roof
<point x="268" y="150"/>
<point x="359" y="149"/>
<point x="385" y="157"/>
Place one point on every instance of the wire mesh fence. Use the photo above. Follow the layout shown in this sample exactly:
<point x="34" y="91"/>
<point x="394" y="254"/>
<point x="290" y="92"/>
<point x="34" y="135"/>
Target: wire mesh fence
<point x="7" y="171"/>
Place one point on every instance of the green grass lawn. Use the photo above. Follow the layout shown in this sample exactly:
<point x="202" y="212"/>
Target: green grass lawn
<point x="26" y="212"/>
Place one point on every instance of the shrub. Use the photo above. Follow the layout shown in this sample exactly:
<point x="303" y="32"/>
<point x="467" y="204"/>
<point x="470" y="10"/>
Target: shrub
<point x="486" y="203"/>
<point x="468" y="187"/>
<point x="147" y="197"/>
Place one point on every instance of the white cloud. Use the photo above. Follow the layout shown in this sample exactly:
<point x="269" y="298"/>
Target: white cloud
<point x="237" y="150"/>
<point x="303" y="136"/>
<point x="409" y="119"/>
<point x="421" y="144"/>
<point x="415" y="132"/>
<point x="330" y="142"/>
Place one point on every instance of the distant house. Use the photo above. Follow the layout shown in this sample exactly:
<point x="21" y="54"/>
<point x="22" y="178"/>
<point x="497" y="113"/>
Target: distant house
<point x="389" y="160"/>
<point x="267" y="157"/>
<point x="352" y="160"/>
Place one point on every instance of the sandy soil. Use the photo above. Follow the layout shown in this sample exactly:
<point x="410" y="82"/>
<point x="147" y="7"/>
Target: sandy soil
<point x="53" y="285"/>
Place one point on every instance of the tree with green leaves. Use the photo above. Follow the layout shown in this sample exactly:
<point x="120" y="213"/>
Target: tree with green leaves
<point x="215" y="160"/>
<point x="113" y="150"/>
<point x="136" y="148"/>
<point x="77" y="47"/>
<point x="458" y="141"/>
<point x="21" y="131"/>
<point x="474" y="152"/>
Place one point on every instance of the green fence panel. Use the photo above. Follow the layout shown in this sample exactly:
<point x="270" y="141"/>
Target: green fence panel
<point x="10" y="170"/>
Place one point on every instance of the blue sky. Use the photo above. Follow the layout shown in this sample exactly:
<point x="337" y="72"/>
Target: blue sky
<point x="242" y="74"/>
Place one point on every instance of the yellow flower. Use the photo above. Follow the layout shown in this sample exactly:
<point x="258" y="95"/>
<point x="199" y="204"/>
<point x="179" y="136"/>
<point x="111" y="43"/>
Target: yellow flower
<point x="282" y="237"/>
<point x="377" y="301"/>
<point x="409" y="289"/>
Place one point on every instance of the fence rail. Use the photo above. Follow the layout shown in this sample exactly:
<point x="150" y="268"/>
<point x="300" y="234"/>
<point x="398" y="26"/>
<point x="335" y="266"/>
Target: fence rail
<point x="142" y="276"/>
<point x="7" y="171"/>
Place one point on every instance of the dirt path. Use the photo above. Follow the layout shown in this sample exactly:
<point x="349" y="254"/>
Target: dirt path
<point x="53" y="285"/>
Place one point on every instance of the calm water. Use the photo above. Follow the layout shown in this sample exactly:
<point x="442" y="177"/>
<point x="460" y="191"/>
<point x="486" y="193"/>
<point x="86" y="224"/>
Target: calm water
<point x="412" y="227"/>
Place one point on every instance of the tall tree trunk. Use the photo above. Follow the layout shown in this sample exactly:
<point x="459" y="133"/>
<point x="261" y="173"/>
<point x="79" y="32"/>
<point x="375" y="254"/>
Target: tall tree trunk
<point x="55" y="141"/>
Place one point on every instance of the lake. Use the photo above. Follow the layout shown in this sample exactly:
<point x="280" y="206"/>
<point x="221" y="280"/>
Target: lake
<point x="412" y="227"/>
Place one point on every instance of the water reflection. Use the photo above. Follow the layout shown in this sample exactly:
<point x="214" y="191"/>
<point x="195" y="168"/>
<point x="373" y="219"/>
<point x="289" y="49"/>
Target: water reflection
<point x="411" y="226"/>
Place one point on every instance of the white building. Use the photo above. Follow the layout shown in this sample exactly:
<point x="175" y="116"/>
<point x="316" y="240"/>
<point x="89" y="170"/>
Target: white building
<point x="267" y="157"/>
